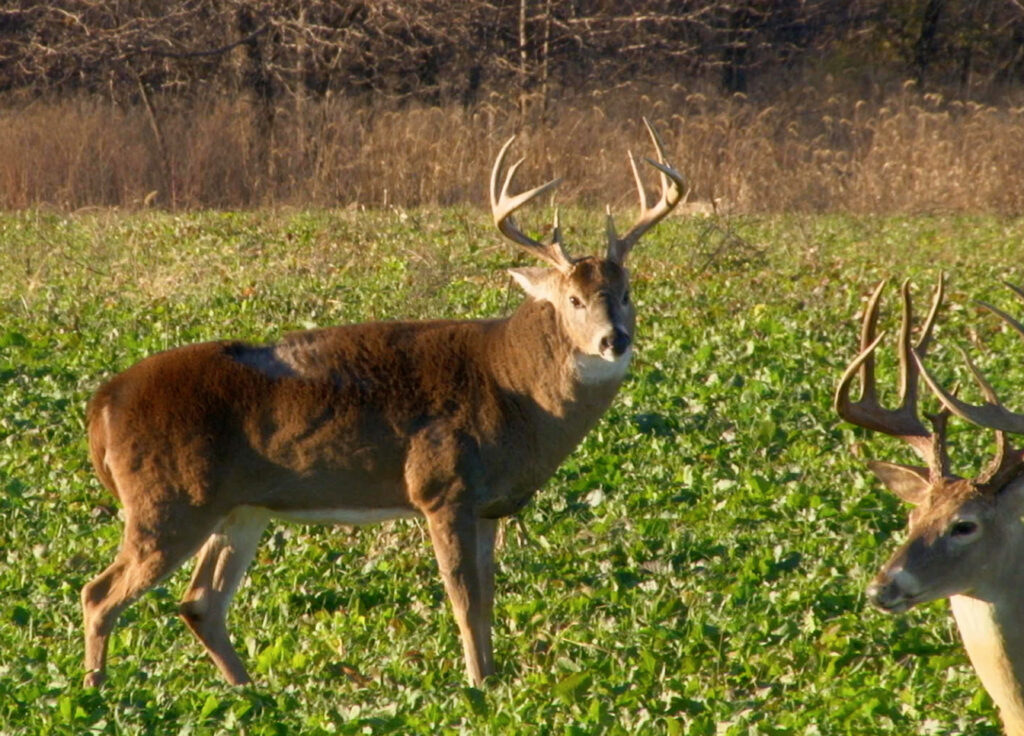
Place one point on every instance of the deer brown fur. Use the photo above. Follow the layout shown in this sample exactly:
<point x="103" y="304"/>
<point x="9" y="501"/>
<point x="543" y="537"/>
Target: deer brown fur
<point x="459" y="422"/>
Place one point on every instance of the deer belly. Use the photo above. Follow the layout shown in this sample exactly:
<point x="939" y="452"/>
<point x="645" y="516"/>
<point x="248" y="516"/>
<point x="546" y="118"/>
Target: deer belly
<point x="354" y="516"/>
<point x="504" y="505"/>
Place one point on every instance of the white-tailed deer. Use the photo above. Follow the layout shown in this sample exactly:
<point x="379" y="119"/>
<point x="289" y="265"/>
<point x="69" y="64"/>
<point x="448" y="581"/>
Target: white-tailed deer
<point x="456" y="421"/>
<point x="966" y="536"/>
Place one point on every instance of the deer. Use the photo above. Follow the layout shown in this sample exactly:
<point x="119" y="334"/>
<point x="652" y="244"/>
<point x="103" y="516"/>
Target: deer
<point x="458" y="422"/>
<point x="965" y="539"/>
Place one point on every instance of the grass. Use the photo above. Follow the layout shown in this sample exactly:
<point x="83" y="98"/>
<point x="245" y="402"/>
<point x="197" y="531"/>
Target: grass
<point x="696" y="567"/>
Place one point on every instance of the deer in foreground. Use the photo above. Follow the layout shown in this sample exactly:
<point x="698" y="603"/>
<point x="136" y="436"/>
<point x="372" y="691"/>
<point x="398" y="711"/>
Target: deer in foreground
<point x="966" y="536"/>
<point x="459" y="422"/>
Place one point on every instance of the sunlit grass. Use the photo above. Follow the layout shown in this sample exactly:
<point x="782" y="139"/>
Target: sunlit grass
<point x="697" y="566"/>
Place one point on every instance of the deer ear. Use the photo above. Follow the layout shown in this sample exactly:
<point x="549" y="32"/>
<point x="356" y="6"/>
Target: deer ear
<point x="538" y="282"/>
<point x="909" y="482"/>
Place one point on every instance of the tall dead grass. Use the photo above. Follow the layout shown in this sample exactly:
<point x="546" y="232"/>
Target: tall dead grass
<point x="808" y="151"/>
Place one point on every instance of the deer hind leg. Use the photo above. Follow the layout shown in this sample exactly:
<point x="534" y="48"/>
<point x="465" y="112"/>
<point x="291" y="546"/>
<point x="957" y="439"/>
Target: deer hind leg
<point x="464" y="547"/>
<point x="144" y="559"/>
<point x="221" y="564"/>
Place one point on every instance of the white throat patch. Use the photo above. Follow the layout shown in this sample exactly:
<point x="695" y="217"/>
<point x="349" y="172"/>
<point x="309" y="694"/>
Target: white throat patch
<point x="595" y="369"/>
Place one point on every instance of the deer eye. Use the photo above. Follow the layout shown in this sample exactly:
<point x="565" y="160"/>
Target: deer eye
<point x="625" y="297"/>
<point x="963" y="528"/>
<point x="576" y="302"/>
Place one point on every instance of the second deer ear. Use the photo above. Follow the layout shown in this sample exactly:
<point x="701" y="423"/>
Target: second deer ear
<point x="540" y="283"/>
<point x="909" y="482"/>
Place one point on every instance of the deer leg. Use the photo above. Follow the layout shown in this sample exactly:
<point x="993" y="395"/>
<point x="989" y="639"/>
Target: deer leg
<point x="144" y="559"/>
<point x="464" y="551"/>
<point x="221" y="564"/>
<point x="485" y="542"/>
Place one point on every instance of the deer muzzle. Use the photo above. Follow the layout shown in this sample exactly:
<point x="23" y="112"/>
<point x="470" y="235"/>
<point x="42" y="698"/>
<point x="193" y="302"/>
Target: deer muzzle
<point x="894" y="591"/>
<point x="615" y="343"/>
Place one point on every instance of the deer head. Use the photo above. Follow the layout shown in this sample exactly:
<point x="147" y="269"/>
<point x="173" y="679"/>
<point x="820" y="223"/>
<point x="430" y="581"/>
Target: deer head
<point x="590" y="295"/>
<point x="961" y="530"/>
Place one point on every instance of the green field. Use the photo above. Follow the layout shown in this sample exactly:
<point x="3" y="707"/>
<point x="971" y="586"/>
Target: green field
<point x="696" y="567"/>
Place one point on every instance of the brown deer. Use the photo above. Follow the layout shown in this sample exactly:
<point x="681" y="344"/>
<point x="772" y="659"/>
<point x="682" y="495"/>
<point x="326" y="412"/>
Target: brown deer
<point x="459" y="422"/>
<point x="966" y="536"/>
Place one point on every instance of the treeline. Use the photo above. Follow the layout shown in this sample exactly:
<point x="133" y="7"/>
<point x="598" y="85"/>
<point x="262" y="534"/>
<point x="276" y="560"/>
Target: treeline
<point x="455" y="52"/>
<point x="812" y="105"/>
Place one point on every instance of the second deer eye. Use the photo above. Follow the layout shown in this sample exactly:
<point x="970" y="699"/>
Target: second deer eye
<point x="963" y="528"/>
<point x="576" y="302"/>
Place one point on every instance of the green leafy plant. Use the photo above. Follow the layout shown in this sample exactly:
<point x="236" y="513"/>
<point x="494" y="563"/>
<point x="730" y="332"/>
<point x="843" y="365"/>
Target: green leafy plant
<point x="696" y="567"/>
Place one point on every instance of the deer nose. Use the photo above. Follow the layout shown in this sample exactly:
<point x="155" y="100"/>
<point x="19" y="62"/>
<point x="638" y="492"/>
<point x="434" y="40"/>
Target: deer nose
<point x="618" y="342"/>
<point x="885" y="595"/>
<point x="893" y="591"/>
<point x="874" y="593"/>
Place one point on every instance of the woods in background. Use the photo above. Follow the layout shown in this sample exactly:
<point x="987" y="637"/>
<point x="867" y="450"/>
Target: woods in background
<point x="442" y="53"/>
<point x="271" y="78"/>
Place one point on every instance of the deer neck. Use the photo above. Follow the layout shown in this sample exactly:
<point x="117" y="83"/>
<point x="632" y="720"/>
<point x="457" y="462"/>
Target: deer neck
<point x="990" y="626"/>
<point x="532" y="356"/>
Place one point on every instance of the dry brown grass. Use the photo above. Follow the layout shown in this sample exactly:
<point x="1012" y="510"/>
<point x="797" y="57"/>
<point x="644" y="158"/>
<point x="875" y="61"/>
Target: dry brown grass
<point x="811" y="151"/>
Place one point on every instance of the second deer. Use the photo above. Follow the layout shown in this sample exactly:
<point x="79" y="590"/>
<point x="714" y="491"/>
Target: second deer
<point x="966" y="536"/>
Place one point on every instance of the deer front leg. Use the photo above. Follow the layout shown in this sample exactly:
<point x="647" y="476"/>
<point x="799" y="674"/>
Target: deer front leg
<point x="487" y="531"/>
<point x="464" y="547"/>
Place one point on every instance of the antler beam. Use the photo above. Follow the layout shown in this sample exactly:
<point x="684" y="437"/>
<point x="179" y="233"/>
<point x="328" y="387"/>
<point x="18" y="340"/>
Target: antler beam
<point x="990" y="415"/>
<point x="503" y="205"/>
<point x="672" y="184"/>
<point x="902" y="422"/>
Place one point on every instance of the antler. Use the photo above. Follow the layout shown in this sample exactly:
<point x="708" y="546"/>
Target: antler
<point x="671" y="193"/>
<point x="503" y="205"/>
<point x="902" y="422"/>
<point x="990" y="415"/>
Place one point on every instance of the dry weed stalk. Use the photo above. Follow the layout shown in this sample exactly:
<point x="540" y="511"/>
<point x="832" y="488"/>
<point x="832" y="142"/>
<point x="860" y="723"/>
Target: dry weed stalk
<point x="809" y="151"/>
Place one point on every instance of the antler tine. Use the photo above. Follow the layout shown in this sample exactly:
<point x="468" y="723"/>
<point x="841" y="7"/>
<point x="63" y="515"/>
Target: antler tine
<point x="986" y="415"/>
<point x="908" y="367"/>
<point x="991" y="415"/>
<point x="902" y="422"/>
<point x="926" y="331"/>
<point x="1016" y="289"/>
<point x="672" y="184"/>
<point x="1004" y="316"/>
<point x="503" y="205"/>
<point x="844" y="406"/>
<point x="868" y="387"/>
